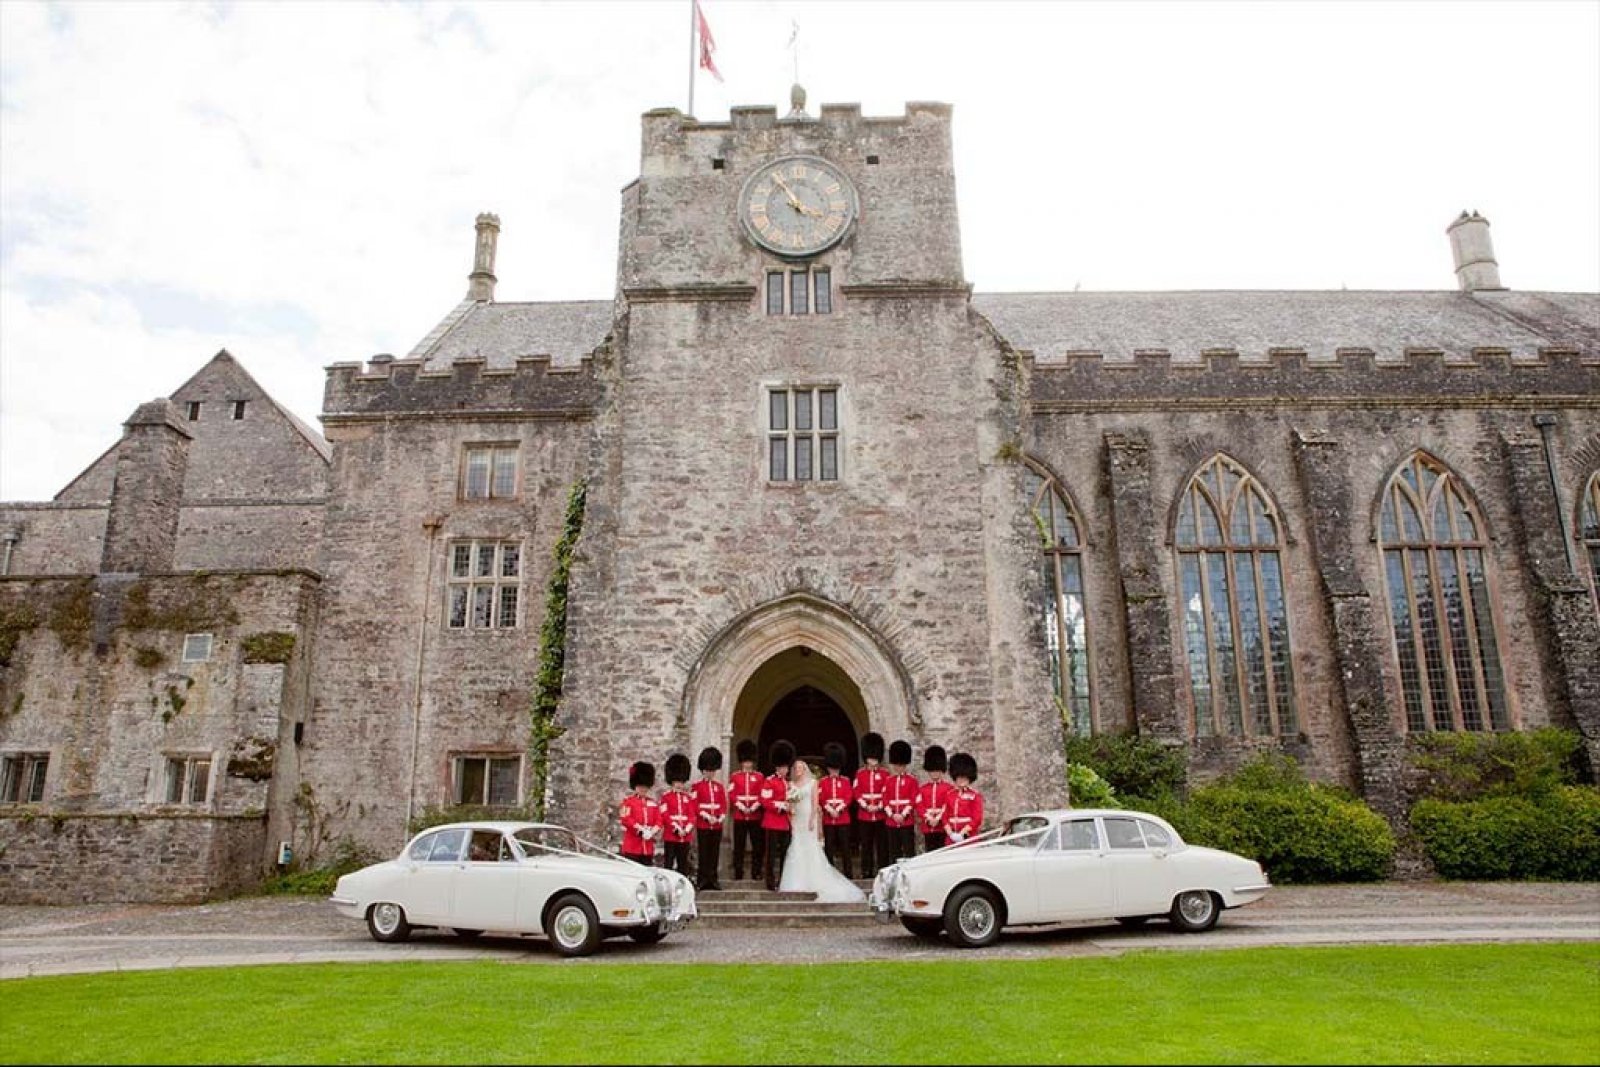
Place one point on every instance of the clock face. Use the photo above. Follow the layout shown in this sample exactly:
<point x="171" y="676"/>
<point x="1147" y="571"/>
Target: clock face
<point x="797" y="206"/>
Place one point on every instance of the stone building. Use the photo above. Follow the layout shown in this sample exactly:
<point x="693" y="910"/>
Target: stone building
<point x="826" y="489"/>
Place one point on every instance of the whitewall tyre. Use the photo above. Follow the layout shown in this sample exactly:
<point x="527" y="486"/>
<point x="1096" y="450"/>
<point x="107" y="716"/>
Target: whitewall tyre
<point x="573" y="926"/>
<point x="1195" y="910"/>
<point x="973" y="916"/>
<point x="387" y="922"/>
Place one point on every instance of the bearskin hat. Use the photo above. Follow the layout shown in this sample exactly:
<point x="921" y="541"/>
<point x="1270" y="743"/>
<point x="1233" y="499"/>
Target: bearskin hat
<point x="677" y="768"/>
<point x="710" y="759"/>
<point x="872" y="747"/>
<point x="782" y="754"/>
<point x="900" y="754"/>
<point x="964" y="766"/>
<point x="833" y="756"/>
<point x="933" y="759"/>
<point x="746" y="751"/>
<point x="641" y="773"/>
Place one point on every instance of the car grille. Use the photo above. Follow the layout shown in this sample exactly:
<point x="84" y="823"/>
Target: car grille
<point x="663" y="892"/>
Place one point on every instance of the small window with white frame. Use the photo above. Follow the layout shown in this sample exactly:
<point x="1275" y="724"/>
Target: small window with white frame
<point x="489" y="779"/>
<point x="489" y="472"/>
<point x="196" y="648"/>
<point x="484" y="585"/>
<point x="22" y="777"/>
<point x="803" y="434"/>
<point x="188" y="779"/>
<point x="800" y="291"/>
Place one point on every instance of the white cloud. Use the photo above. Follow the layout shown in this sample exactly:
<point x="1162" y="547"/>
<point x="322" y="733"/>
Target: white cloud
<point x="316" y="167"/>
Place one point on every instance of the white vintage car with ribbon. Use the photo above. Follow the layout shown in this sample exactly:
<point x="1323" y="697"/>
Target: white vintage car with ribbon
<point x="516" y="878"/>
<point x="1064" y="866"/>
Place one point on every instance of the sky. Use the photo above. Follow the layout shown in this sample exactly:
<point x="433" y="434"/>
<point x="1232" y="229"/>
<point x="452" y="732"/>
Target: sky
<point x="297" y="182"/>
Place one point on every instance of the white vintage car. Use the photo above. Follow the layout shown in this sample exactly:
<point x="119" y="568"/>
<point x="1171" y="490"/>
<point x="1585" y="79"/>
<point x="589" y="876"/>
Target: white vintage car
<point x="515" y="877"/>
<point x="1062" y="866"/>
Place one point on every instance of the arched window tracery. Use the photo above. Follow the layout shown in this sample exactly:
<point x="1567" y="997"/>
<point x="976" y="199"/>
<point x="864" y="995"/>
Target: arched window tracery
<point x="1065" y="611"/>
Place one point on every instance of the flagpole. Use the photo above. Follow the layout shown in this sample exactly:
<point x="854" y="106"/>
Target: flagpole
<point x="693" y="31"/>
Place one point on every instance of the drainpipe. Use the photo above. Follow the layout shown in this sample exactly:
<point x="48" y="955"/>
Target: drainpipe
<point x="1546" y="423"/>
<point x="430" y="524"/>
<point x="11" y="535"/>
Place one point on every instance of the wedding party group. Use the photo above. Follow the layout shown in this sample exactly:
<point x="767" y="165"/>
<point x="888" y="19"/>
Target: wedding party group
<point x="800" y="827"/>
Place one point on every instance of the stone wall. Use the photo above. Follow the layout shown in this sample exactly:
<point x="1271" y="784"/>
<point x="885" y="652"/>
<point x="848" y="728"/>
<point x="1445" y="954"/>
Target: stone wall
<point x="49" y="857"/>
<point x="55" y="538"/>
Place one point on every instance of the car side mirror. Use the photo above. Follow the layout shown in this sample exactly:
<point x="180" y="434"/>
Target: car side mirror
<point x="1160" y="853"/>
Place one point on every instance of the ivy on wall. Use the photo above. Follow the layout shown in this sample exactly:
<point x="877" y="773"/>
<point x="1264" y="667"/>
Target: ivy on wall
<point x="552" y="654"/>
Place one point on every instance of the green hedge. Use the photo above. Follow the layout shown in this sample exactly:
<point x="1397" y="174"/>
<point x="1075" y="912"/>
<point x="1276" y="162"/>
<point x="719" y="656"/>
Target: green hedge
<point x="1133" y="765"/>
<point x="319" y="881"/>
<point x="1472" y="766"/>
<point x="1554" y="834"/>
<point x="1298" y="830"/>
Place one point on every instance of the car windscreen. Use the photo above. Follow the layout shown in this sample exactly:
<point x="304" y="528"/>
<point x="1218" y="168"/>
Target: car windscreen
<point x="538" y="840"/>
<point x="1033" y="825"/>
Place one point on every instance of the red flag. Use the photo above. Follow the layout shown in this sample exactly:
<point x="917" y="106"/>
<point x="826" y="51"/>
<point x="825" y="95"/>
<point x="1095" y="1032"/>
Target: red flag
<point x="708" y="44"/>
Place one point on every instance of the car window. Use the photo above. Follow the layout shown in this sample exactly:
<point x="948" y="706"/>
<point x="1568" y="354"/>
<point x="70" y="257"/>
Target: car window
<point x="1155" y="836"/>
<point x="1024" y="825"/>
<point x="486" y="846"/>
<point x="537" y="840"/>
<point x="447" y="846"/>
<point x="421" y="847"/>
<point x="1077" y="835"/>
<point x="1124" y="833"/>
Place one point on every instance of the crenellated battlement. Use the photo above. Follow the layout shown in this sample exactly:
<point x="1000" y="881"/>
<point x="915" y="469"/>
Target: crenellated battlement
<point x="1222" y="377"/>
<point x="531" y="386"/>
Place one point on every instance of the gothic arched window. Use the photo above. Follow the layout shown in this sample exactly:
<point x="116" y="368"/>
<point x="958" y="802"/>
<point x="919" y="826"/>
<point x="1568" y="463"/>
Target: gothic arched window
<point x="1235" y="621"/>
<point x="1589" y="532"/>
<point x="1066" y="628"/>
<point x="1444" y="629"/>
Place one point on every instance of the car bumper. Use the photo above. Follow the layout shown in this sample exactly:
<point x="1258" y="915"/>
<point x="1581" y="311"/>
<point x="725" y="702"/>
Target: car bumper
<point x="350" y="909"/>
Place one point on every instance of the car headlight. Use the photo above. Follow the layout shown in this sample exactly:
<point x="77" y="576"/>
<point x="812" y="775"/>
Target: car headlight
<point x="641" y="892"/>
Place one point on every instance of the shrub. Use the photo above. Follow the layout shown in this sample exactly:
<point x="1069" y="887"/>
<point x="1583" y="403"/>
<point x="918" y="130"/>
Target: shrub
<point x="1299" y="831"/>
<point x="1471" y="766"/>
<point x="1132" y="765"/>
<point x="1550" y="834"/>
<point x="347" y="856"/>
<point x="1087" y="789"/>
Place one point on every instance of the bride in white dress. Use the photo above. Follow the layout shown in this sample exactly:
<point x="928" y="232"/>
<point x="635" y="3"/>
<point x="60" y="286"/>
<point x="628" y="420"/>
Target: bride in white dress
<point x="805" y="866"/>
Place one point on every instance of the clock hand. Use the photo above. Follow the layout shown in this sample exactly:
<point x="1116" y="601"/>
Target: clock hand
<point x="794" y="201"/>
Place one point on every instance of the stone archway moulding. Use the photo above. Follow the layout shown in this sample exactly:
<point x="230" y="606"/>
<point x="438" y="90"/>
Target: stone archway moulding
<point x="799" y="620"/>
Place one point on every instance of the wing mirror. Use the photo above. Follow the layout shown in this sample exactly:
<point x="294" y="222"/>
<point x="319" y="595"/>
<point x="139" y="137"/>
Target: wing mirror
<point x="1160" y="853"/>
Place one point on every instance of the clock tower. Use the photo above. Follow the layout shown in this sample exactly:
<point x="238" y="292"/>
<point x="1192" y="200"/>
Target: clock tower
<point x="807" y="522"/>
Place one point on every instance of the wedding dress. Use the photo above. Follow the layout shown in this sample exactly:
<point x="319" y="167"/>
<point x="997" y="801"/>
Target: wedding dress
<point x="805" y="866"/>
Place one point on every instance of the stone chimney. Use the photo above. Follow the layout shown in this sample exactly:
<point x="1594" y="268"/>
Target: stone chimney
<point x="152" y="459"/>
<point x="1474" y="253"/>
<point x="480" y="283"/>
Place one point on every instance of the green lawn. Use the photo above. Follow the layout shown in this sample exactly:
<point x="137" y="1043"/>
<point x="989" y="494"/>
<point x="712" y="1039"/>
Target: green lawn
<point x="1371" y="1004"/>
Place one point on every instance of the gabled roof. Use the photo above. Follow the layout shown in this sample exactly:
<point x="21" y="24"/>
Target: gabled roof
<point x="312" y="437"/>
<point x="566" y="331"/>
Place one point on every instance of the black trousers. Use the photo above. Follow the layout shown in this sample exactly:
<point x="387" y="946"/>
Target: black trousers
<point x="678" y="857"/>
<point x="836" y="844"/>
<point x="709" y="846"/>
<point x="871" y="836"/>
<point x="777" y="849"/>
<point x="752" y="834"/>
<point x="933" y="841"/>
<point x="902" y="843"/>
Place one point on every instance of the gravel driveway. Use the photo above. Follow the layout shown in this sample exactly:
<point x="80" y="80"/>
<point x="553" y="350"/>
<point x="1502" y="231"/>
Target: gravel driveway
<point x="258" y="930"/>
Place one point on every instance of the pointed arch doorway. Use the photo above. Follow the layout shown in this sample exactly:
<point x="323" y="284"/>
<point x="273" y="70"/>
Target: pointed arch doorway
<point x="803" y="697"/>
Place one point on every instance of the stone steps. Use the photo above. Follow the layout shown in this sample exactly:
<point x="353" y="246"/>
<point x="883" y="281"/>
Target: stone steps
<point x="749" y="904"/>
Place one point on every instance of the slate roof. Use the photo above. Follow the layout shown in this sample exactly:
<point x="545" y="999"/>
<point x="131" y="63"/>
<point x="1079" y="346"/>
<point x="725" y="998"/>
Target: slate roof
<point x="1115" y="326"/>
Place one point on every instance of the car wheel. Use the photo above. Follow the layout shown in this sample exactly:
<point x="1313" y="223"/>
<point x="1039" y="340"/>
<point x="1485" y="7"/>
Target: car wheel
<point x="387" y="922"/>
<point x="928" y="929"/>
<point x="1133" y="920"/>
<point x="647" y="935"/>
<point x="1195" y="910"/>
<point x="466" y="935"/>
<point x="573" y="927"/>
<point x="972" y="916"/>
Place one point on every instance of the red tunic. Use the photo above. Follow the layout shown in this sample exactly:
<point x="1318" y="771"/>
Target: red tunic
<point x="641" y="825"/>
<point x="870" y="785"/>
<point x="745" y="793"/>
<point x="710" y="803"/>
<point x="900" y="800"/>
<point x="775" y="804"/>
<point x="834" y="794"/>
<point x="933" y="804"/>
<point x="678" y="807"/>
<point x="966" y="814"/>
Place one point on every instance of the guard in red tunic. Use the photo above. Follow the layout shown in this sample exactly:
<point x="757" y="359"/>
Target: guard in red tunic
<point x="899" y="806"/>
<point x="872" y="780"/>
<point x="641" y="815"/>
<point x="744" y="793"/>
<point x="677" y="809"/>
<point x="834" y="794"/>
<point x="775" y="812"/>
<point x="965" y="820"/>
<point x="933" y="799"/>
<point x="710" y="811"/>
